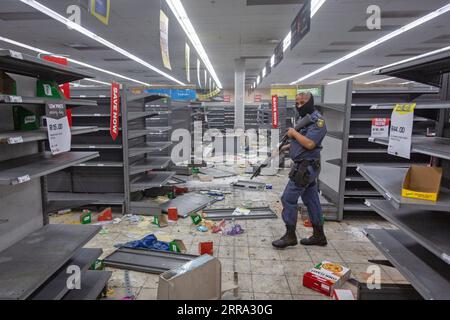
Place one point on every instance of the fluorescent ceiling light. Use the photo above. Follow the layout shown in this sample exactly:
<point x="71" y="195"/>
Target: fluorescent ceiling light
<point x="72" y="25"/>
<point x="25" y="46"/>
<point x="405" y="83"/>
<point x="264" y="72"/>
<point x="379" y="81"/>
<point x="379" y="41"/>
<point x="272" y="61"/>
<point x="392" y="65"/>
<point x="178" y="10"/>
<point x="258" y="80"/>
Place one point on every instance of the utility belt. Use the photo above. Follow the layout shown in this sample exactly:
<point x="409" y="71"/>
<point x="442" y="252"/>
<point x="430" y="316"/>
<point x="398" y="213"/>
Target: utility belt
<point x="300" y="173"/>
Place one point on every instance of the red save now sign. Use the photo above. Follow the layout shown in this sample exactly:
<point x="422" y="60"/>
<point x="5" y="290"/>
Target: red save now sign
<point x="115" y="111"/>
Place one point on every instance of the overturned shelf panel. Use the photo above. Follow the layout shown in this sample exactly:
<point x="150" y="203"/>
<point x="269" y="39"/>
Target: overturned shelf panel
<point x="227" y="214"/>
<point x="427" y="273"/>
<point x="24" y="169"/>
<point x="429" y="229"/>
<point x="17" y="137"/>
<point x="431" y="146"/>
<point x="188" y="203"/>
<point x="30" y="262"/>
<point x="251" y="185"/>
<point x="26" y="65"/>
<point x="93" y="284"/>
<point x="150" y="180"/>
<point x="149" y="261"/>
<point x="388" y="181"/>
<point x="152" y="163"/>
<point x="56" y="287"/>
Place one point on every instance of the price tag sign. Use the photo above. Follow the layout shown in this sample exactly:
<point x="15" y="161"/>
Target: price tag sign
<point x="402" y="121"/>
<point x="59" y="136"/>
<point x="380" y="128"/>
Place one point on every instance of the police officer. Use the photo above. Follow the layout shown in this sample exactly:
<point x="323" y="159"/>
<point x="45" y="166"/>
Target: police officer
<point x="304" y="149"/>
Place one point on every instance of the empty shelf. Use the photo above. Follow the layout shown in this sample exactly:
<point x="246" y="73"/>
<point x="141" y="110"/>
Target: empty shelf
<point x="427" y="273"/>
<point x="361" y="192"/>
<point x="335" y="134"/>
<point x="20" y="170"/>
<point x="153" y="163"/>
<point x="93" y="284"/>
<point x="388" y="181"/>
<point x="430" y="229"/>
<point x="148" y="147"/>
<point x="132" y="134"/>
<point x="10" y="99"/>
<point x="357" y="207"/>
<point x="56" y="287"/>
<point x="97" y="146"/>
<point x="16" y="137"/>
<point x="150" y="180"/>
<point x="138" y="115"/>
<point x="87" y="198"/>
<point x="26" y="65"/>
<point x="106" y="164"/>
<point x="431" y="146"/>
<point x="419" y="106"/>
<point x="27" y="264"/>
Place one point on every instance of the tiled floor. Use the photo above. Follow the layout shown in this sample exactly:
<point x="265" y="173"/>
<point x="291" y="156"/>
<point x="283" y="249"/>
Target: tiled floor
<point x="264" y="273"/>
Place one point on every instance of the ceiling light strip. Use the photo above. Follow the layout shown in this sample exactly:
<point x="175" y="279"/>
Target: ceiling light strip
<point x="379" y="41"/>
<point x="25" y="46"/>
<point x="392" y="64"/>
<point x="72" y="25"/>
<point x="182" y="17"/>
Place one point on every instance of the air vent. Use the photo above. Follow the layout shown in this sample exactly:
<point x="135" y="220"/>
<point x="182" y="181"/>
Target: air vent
<point x="85" y="47"/>
<point x="347" y="43"/>
<point x="445" y="38"/>
<point x="312" y="63"/>
<point x="365" y="29"/>
<point x="333" y="51"/>
<point x="272" y="2"/>
<point x="23" y="16"/>
<point x="402" y="14"/>
<point x="424" y="49"/>
<point x="116" y="59"/>
<point x="368" y="66"/>
<point x="401" y="55"/>
<point x="346" y="74"/>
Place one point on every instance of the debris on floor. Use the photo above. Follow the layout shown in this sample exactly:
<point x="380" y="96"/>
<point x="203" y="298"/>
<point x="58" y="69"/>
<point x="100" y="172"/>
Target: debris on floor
<point x="325" y="277"/>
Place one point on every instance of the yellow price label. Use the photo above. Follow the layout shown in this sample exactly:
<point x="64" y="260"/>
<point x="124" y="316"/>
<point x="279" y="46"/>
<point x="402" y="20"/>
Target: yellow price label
<point x="405" y="108"/>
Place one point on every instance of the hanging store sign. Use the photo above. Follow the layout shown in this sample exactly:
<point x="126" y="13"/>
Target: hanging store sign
<point x="279" y="54"/>
<point x="114" y="126"/>
<point x="401" y="130"/>
<point x="380" y="128"/>
<point x="101" y="9"/>
<point x="59" y="135"/>
<point x="301" y="25"/>
<point x="275" y="112"/>
<point x="164" y="39"/>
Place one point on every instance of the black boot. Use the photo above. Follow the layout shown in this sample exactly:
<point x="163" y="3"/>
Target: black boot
<point x="317" y="239"/>
<point x="289" y="239"/>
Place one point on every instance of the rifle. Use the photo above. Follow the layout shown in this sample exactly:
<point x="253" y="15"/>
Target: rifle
<point x="302" y="123"/>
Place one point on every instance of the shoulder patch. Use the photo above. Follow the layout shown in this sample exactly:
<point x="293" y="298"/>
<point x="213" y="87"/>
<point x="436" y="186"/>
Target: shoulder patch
<point x="320" y="123"/>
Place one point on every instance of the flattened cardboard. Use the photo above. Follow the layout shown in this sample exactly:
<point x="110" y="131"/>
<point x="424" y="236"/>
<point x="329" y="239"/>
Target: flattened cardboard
<point x="422" y="183"/>
<point x="199" y="279"/>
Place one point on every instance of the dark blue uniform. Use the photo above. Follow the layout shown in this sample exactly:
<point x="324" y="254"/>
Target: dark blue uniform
<point x="310" y="196"/>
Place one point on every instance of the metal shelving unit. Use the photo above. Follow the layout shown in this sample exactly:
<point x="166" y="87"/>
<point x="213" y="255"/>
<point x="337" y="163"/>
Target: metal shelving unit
<point x="102" y="177"/>
<point x="30" y="264"/>
<point x="348" y="113"/>
<point x="420" y="249"/>
<point x="147" y="148"/>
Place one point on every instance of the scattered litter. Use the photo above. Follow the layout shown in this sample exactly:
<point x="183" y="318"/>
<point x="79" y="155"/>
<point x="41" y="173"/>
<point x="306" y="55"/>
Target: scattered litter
<point x="148" y="242"/>
<point x="104" y="231"/>
<point x="202" y="229"/>
<point x="132" y="219"/>
<point x="117" y="221"/>
<point x="160" y="221"/>
<point x="241" y="212"/>
<point x="205" y="248"/>
<point x="325" y="277"/>
<point x="105" y="215"/>
<point x="86" y="217"/>
<point x="172" y="214"/>
<point x="132" y="236"/>
<point x="196" y="219"/>
<point x="234" y="230"/>
<point x="343" y="294"/>
<point x="219" y="227"/>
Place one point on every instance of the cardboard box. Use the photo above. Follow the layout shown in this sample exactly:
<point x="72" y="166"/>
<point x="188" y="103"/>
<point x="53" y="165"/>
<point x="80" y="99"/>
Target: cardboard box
<point x="422" y="183"/>
<point x="205" y="248"/>
<point x="7" y="84"/>
<point x="160" y="221"/>
<point x="177" y="246"/>
<point x="326" y="277"/>
<point x="200" y="279"/>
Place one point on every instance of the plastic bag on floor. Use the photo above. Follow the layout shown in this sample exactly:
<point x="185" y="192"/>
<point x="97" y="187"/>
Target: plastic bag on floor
<point x="148" y="242"/>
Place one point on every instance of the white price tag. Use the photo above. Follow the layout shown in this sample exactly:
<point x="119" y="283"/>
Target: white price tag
<point x="15" y="99"/>
<point x="91" y="147"/>
<point x="23" y="179"/>
<point x="82" y="165"/>
<point x="402" y="121"/>
<point x="59" y="135"/>
<point x="16" y="54"/>
<point x="15" y="140"/>
<point x="100" y="165"/>
<point x="380" y="128"/>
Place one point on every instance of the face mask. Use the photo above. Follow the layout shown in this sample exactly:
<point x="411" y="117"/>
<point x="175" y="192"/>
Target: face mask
<point x="307" y="108"/>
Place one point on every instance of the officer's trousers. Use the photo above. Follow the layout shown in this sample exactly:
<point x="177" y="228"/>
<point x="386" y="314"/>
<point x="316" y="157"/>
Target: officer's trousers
<point x="310" y="197"/>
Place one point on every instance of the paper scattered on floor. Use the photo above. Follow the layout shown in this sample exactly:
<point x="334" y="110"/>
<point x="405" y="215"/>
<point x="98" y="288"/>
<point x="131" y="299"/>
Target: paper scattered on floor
<point x="241" y="212"/>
